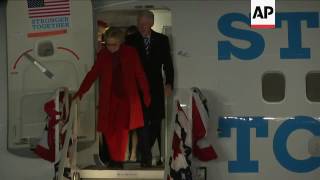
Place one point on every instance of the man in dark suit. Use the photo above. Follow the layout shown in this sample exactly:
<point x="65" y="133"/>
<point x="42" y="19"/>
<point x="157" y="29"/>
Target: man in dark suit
<point x="155" y="56"/>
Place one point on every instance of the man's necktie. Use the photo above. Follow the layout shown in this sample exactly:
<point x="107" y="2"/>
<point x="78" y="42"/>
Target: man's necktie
<point x="147" y="44"/>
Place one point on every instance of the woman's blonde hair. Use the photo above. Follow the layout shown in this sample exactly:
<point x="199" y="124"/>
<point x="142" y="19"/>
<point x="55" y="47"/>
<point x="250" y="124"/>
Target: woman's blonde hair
<point x="114" y="32"/>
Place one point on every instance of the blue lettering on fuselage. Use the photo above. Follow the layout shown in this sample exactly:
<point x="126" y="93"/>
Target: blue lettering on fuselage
<point x="243" y="163"/>
<point x="257" y="44"/>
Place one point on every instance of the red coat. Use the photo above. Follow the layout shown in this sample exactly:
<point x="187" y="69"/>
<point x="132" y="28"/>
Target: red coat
<point x="133" y="77"/>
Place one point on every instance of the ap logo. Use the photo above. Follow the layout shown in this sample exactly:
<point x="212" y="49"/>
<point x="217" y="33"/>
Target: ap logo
<point x="262" y="14"/>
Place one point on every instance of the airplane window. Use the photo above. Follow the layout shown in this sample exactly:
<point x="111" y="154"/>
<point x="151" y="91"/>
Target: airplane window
<point x="45" y="49"/>
<point x="273" y="87"/>
<point x="313" y="86"/>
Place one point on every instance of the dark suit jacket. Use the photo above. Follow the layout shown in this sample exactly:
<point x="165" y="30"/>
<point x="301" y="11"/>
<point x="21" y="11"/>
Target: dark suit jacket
<point x="159" y="56"/>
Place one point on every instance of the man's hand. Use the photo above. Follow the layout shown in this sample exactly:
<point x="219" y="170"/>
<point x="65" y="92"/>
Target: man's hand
<point x="167" y="90"/>
<point x="147" y="100"/>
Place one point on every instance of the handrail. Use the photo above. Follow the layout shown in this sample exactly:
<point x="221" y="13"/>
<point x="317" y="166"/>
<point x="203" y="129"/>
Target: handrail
<point x="71" y="131"/>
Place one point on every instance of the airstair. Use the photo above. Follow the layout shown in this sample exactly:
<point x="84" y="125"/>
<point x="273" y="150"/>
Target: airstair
<point x="146" y="174"/>
<point x="68" y="159"/>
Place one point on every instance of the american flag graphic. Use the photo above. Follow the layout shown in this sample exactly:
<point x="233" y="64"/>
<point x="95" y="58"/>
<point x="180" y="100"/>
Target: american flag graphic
<point x="48" y="8"/>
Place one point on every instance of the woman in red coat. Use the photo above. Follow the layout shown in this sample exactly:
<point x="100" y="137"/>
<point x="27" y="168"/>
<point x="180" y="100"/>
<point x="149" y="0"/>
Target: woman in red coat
<point x="120" y="73"/>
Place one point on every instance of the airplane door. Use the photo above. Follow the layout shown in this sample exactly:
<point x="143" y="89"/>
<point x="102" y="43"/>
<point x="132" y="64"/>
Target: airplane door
<point x="47" y="49"/>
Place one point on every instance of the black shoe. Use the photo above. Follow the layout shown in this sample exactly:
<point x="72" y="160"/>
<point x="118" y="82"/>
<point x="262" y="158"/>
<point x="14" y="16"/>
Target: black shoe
<point x="159" y="163"/>
<point x="115" y="165"/>
<point x="66" y="173"/>
<point x="146" y="164"/>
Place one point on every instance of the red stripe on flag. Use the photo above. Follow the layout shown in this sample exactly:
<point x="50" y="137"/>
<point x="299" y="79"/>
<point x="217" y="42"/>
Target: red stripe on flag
<point x="50" y="12"/>
<point x="198" y="130"/>
<point x="55" y="1"/>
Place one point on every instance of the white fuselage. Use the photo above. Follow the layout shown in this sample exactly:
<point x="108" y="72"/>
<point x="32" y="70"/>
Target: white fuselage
<point x="214" y="49"/>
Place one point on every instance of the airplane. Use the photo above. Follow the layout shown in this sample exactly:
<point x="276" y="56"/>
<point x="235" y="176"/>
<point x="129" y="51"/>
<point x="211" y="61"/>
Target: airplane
<point x="262" y="85"/>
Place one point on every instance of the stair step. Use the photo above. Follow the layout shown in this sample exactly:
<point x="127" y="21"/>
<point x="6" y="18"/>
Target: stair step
<point x="152" y="174"/>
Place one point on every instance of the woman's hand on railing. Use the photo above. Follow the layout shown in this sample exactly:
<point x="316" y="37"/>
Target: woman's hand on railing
<point x="76" y="98"/>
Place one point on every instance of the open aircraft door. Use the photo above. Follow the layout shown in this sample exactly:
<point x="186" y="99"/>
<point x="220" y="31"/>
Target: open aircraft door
<point x="49" y="47"/>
